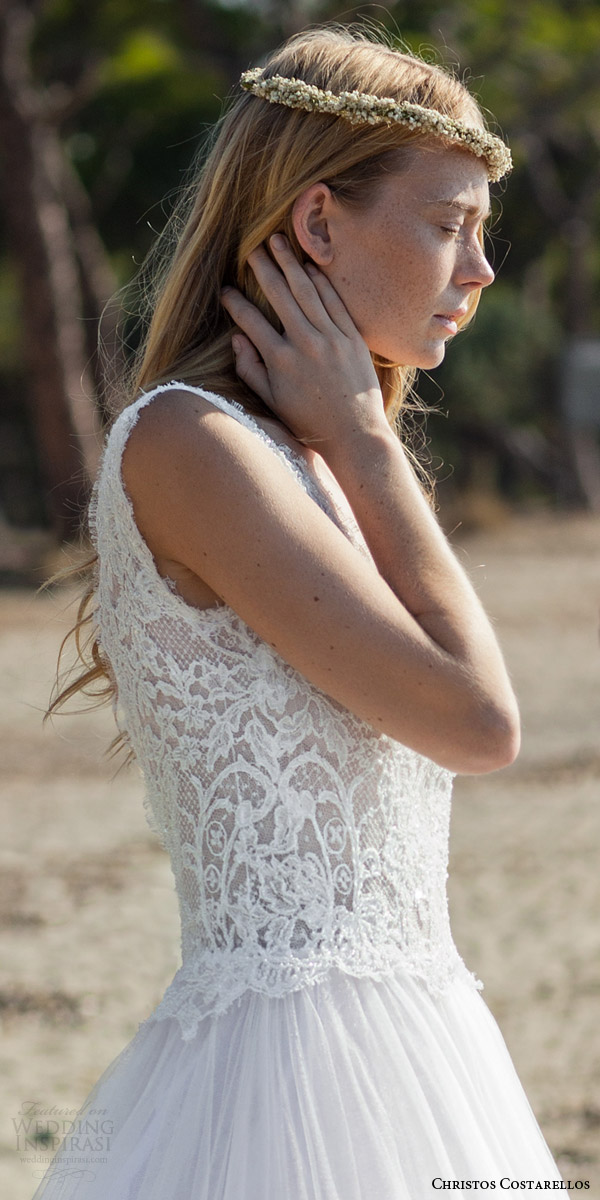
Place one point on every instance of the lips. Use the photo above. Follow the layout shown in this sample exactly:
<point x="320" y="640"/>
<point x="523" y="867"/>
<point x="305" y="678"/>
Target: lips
<point x="450" y="320"/>
<point x="448" y="323"/>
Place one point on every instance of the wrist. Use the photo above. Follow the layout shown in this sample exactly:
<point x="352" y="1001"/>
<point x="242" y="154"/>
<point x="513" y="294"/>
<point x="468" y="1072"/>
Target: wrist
<point x="363" y="442"/>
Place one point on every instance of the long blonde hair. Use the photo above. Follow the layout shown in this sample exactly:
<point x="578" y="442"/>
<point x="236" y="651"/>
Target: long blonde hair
<point x="263" y="157"/>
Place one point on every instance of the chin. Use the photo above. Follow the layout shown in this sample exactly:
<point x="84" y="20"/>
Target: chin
<point x="425" y="357"/>
<point x="428" y="359"/>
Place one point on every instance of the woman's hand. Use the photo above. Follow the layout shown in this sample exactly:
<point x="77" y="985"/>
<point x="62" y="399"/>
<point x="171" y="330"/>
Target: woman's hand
<point x="317" y="376"/>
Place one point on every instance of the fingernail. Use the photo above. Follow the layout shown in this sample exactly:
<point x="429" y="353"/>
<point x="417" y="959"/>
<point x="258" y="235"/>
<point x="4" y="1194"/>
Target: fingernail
<point x="278" y="241"/>
<point x="310" y="267"/>
<point x="225" y="290"/>
<point x="236" y="345"/>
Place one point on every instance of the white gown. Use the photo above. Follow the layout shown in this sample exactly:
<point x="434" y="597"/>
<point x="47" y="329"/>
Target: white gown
<point x="323" y="1039"/>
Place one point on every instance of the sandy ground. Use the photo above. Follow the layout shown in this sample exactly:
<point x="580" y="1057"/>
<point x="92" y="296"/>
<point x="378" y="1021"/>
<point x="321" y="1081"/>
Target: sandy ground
<point x="88" y="921"/>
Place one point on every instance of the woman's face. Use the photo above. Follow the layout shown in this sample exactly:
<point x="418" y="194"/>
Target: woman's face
<point x="406" y="264"/>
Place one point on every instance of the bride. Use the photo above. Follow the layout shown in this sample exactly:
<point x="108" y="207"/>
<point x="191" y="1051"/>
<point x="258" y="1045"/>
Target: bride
<point x="300" y="661"/>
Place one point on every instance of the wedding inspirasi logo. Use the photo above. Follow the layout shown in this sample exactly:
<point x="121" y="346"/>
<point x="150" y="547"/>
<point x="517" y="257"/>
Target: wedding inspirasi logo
<point x="41" y="1130"/>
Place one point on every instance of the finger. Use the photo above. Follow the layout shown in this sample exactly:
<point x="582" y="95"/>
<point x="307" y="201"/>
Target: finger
<point x="331" y="300"/>
<point x="288" y="289"/>
<point x="251" y="321"/>
<point x="250" y="368"/>
<point x="327" y="297"/>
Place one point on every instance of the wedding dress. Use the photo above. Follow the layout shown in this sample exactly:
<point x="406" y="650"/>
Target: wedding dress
<point x="323" y="1039"/>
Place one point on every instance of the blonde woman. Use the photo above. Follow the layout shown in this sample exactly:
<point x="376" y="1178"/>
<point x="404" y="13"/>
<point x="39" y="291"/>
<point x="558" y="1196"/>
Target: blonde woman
<point x="301" y="663"/>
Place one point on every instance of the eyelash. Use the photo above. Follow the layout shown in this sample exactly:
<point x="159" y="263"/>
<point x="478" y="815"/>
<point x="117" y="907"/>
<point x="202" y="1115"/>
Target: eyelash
<point x="452" y="230"/>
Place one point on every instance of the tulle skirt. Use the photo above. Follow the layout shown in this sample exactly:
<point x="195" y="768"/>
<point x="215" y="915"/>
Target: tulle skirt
<point x="349" y="1089"/>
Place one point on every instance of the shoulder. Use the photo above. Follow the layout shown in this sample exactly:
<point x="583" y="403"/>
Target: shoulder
<point x="172" y="411"/>
<point x="177" y="425"/>
<point x="192" y="456"/>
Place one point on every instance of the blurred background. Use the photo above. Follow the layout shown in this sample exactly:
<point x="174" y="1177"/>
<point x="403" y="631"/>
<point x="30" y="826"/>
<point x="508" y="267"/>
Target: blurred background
<point x="102" y="106"/>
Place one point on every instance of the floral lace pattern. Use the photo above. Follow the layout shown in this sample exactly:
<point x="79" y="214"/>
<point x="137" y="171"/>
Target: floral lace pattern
<point x="300" y="839"/>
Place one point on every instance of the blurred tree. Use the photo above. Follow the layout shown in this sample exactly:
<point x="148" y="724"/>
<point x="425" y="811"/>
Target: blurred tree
<point x="36" y="179"/>
<point x="103" y="105"/>
<point x="81" y="91"/>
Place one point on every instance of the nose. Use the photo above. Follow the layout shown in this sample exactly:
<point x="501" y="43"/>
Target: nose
<point x="475" y="270"/>
<point x="487" y="275"/>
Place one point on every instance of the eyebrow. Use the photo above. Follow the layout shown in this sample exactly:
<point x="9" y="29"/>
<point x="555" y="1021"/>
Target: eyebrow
<point x="471" y="210"/>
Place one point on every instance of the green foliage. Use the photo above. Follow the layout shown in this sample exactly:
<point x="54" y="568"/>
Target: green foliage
<point x="493" y="371"/>
<point x="142" y="56"/>
<point x="143" y="79"/>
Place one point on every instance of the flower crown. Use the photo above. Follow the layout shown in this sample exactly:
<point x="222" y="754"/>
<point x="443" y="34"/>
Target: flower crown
<point x="362" y="109"/>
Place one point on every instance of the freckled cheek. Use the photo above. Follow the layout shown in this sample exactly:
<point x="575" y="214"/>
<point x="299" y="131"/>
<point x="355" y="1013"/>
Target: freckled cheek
<point x="410" y="281"/>
<point x="394" y="275"/>
<point x="363" y="286"/>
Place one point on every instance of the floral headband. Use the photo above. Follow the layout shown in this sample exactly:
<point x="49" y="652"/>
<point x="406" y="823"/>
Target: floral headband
<point x="362" y="109"/>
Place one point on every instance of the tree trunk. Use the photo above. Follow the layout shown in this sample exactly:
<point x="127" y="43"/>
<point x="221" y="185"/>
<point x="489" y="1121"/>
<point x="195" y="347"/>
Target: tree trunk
<point x="61" y="387"/>
<point x="101" y="305"/>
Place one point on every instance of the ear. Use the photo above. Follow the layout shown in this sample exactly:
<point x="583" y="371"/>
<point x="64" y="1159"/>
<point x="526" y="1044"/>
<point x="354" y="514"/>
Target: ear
<point x="311" y="213"/>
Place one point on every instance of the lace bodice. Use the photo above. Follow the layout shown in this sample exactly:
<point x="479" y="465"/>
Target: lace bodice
<point x="300" y="839"/>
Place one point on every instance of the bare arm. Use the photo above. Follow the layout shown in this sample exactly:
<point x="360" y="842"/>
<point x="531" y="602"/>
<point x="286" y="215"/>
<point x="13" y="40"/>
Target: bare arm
<point x="415" y="558"/>
<point x="342" y="411"/>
